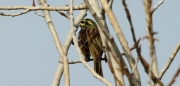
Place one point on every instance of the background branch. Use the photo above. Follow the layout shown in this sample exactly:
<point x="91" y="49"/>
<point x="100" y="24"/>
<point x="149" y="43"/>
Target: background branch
<point x="174" y="77"/>
<point x="168" y="63"/>
<point x="152" y="52"/>
<point x="120" y="37"/>
<point x="57" y="43"/>
<point x="59" y="71"/>
<point x="48" y="8"/>
<point x="13" y="15"/>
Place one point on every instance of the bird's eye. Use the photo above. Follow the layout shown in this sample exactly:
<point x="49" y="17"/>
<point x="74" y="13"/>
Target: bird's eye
<point x="86" y="23"/>
<point x="82" y="21"/>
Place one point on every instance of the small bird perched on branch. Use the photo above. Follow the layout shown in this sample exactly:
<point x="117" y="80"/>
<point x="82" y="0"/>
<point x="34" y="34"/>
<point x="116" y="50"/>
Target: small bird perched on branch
<point x="90" y="43"/>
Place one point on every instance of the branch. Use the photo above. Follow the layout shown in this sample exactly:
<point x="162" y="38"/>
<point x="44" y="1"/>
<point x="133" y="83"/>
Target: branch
<point x="112" y="71"/>
<point x="161" y="2"/>
<point x="74" y="62"/>
<point x="134" y="46"/>
<point x="49" y="22"/>
<point x="59" y="71"/>
<point x="175" y="75"/>
<point x="128" y="15"/>
<point x="13" y="15"/>
<point x="152" y="52"/>
<point x="110" y="3"/>
<point x="153" y="77"/>
<point x="48" y="8"/>
<point x="107" y="39"/>
<point x="35" y="11"/>
<point x="171" y="58"/>
<point x="120" y="36"/>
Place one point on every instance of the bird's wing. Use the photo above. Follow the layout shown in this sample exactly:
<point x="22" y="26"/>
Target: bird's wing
<point x="83" y="44"/>
<point x="95" y="47"/>
<point x="94" y="36"/>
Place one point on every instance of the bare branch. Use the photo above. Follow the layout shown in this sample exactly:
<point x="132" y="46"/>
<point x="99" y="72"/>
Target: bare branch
<point x="128" y="15"/>
<point x="112" y="71"/>
<point x="120" y="36"/>
<point x="110" y="3"/>
<point x="62" y="14"/>
<point x="13" y="15"/>
<point x="174" y="77"/>
<point x="92" y="71"/>
<point x="153" y="77"/>
<point x="48" y="8"/>
<point x="74" y="62"/>
<point x="108" y="39"/>
<point x="161" y="2"/>
<point x="137" y="60"/>
<point x="35" y="11"/>
<point x="59" y="71"/>
<point x="168" y="63"/>
<point x="69" y="38"/>
<point x="152" y="52"/>
<point x="58" y="45"/>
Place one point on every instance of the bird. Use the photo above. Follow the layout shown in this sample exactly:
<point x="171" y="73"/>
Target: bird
<point x="90" y="43"/>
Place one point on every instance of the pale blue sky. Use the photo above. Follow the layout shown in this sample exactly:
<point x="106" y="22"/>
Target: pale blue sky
<point x="28" y="56"/>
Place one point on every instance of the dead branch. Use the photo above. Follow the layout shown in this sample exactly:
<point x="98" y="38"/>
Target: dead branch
<point x="120" y="36"/>
<point x="146" y="67"/>
<point x="57" y="43"/>
<point x="174" y="77"/>
<point x="152" y="52"/>
<point x="59" y="71"/>
<point x="161" y="2"/>
<point x="35" y="11"/>
<point x="105" y="38"/>
<point x="13" y="15"/>
<point x="171" y="58"/>
<point x="48" y="8"/>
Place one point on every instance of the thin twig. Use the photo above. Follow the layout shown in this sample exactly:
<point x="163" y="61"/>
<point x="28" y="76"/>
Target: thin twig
<point x="35" y="11"/>
<point x="174" y="77"/>
<point x="74" y="62"/>
<point x="161" y="2"/>
<point x="128" y="15"/>
<point x="134" y="46"/>
<point x="137" y="60"/>
<point x="110" y="3"/>
<point x="171" y="58"/>
<point x="13" y="15"/>
<point x="153" y="77"/>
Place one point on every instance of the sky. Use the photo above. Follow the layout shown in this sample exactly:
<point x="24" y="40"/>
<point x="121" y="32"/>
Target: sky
<point x="28" y="55"/>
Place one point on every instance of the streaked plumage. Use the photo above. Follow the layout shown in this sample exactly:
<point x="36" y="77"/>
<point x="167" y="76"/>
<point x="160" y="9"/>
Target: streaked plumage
<point x="89" y="41"/>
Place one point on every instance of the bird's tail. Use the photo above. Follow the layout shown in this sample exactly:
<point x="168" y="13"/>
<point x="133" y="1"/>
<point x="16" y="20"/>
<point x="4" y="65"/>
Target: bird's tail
<point x="98" y="68"/>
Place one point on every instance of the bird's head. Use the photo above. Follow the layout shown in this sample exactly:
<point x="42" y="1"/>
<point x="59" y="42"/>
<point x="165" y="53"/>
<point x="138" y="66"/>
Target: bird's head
<point x="87" y="23"/>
